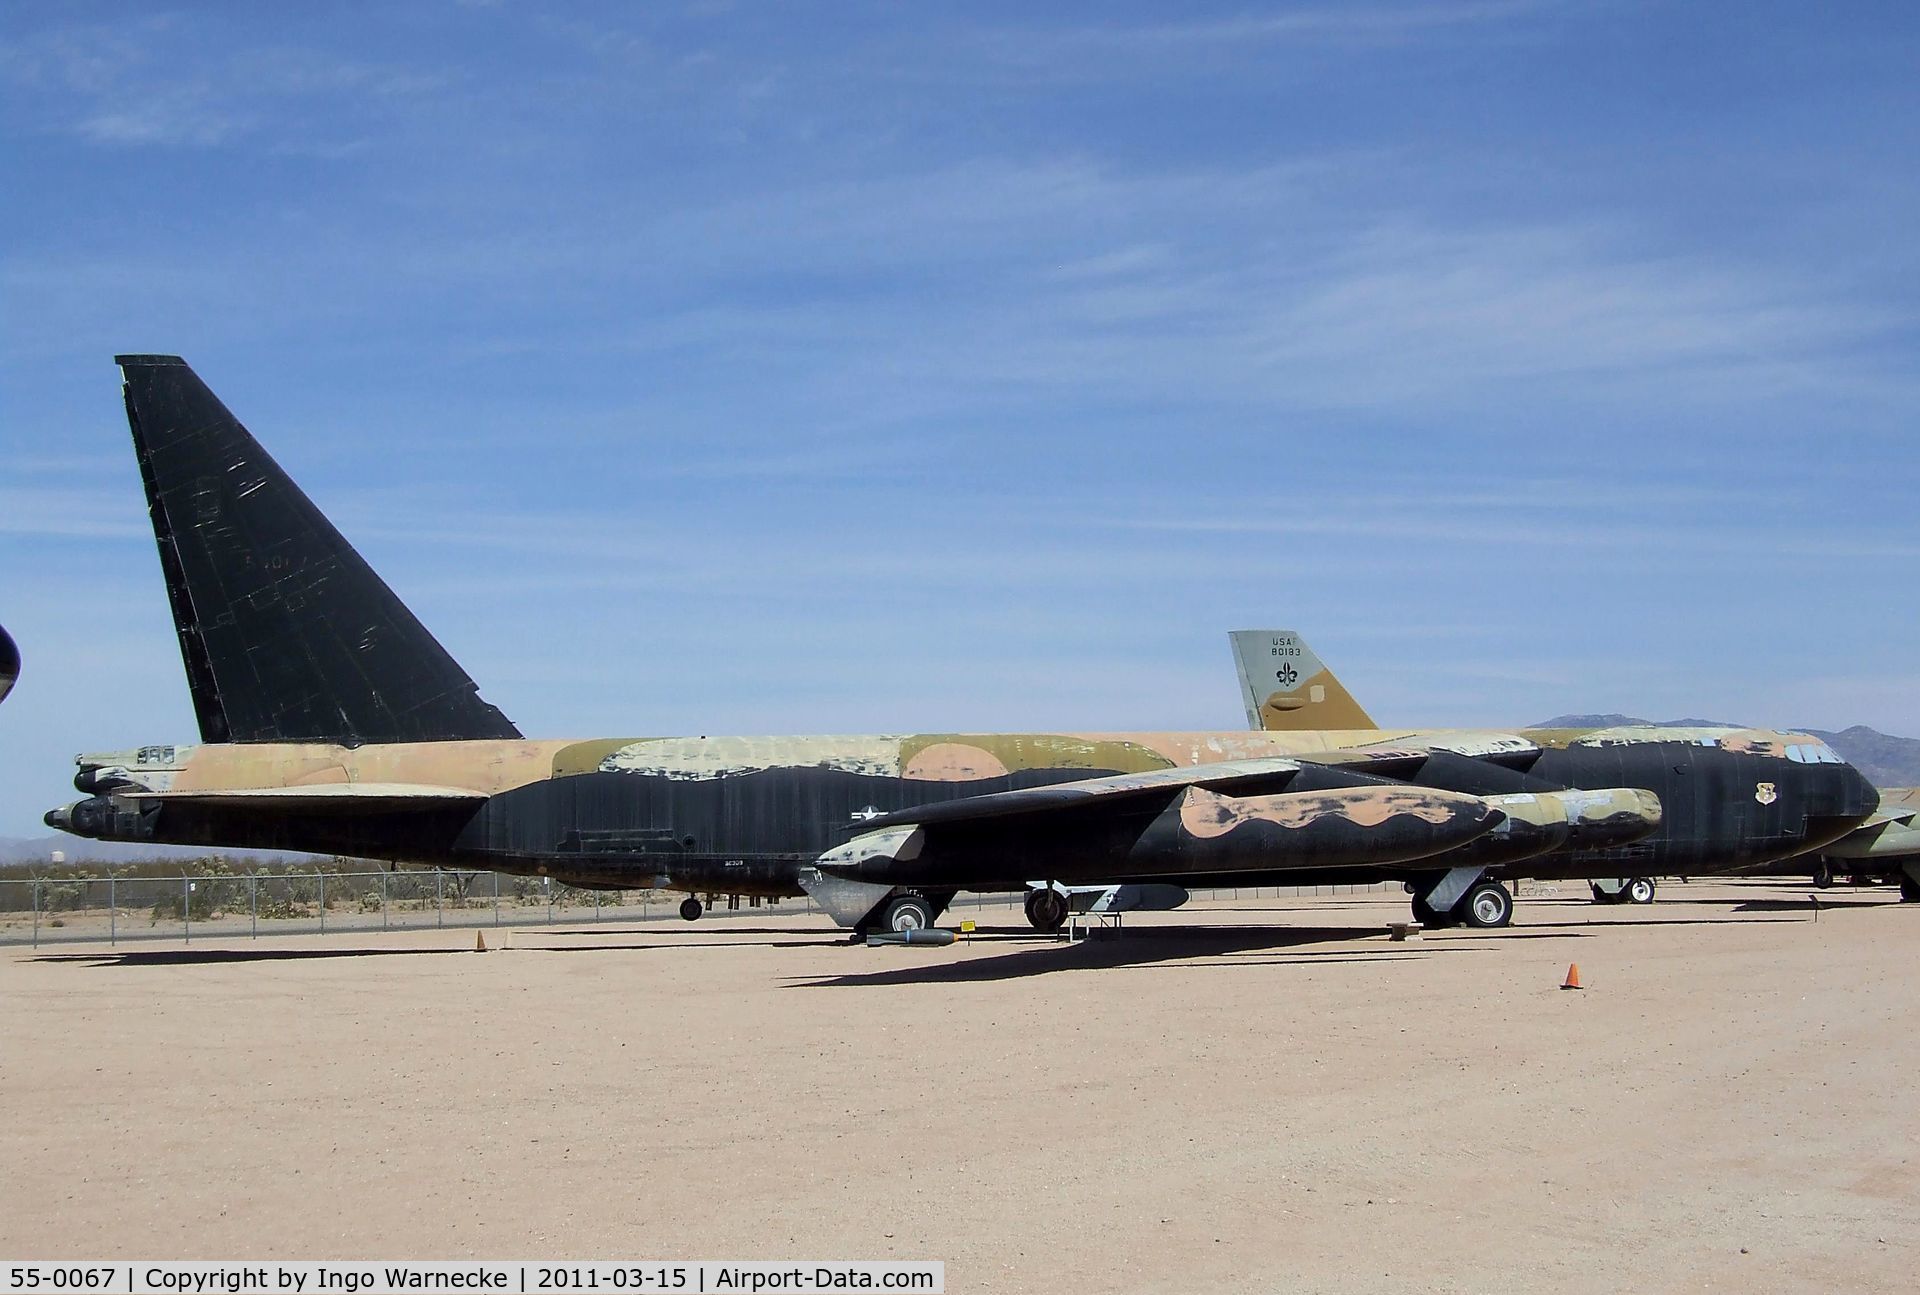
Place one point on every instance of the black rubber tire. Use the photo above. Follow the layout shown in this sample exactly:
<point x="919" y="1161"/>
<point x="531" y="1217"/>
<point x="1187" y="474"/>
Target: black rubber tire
<point x="1822" y="877"/>
<point x="1640" y="890"/>
<point x="691" y="908"/>
<point x="1430" y="919"/>
<point x="908" y="912"/>
<point x="1485" y="906"/>
<point x="1909" y="890"/>
<point x="1602" y="897"/>
<point x="1046" y="910"/>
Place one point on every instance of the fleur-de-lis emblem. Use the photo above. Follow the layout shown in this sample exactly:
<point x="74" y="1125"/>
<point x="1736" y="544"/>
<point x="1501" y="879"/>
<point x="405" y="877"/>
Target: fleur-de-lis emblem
<point x="1286" y="674"/>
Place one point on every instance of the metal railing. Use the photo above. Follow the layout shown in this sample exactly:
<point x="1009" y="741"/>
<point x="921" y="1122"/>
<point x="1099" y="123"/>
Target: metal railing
<point x="43" y="910"/>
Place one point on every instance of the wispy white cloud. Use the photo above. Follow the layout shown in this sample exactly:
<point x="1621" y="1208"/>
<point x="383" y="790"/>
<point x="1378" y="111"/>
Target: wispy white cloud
<point x="69" y="512"/>
<point x="172" y="80"/>
<point x="1304" y="24"/>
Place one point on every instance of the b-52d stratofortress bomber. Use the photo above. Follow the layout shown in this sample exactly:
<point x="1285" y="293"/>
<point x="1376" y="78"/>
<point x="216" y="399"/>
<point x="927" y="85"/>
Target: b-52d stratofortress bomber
<point x="332" y="721"/>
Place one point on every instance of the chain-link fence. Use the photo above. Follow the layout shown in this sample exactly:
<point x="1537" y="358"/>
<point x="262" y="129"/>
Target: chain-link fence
<point x="223" y="905"/>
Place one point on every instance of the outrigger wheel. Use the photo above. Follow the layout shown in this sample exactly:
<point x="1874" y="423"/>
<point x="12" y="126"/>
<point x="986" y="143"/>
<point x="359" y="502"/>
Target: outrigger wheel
<point x="690" y="908"/>
<point x="1486" y="904"/>
<point x="1046" y="909"/>
<point x="1639" y="890"/>
<point x="1909" y="888"/>
<point x="909" y="911"/>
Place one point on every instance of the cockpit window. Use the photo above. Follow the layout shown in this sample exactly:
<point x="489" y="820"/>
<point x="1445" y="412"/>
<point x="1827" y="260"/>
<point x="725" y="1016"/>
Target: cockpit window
<point x="1812" y="753"/>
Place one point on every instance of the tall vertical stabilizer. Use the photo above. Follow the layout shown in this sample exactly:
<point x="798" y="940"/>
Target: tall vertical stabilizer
<point x="286" y="633"/>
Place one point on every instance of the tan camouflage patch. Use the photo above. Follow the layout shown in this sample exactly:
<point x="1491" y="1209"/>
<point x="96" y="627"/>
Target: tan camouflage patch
<point x="953" y="762"/>
<point x="1207" y="815"/>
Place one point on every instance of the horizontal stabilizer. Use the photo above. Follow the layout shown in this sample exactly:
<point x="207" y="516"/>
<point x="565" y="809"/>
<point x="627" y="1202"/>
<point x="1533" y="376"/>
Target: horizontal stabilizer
<point x="374" y="795"/>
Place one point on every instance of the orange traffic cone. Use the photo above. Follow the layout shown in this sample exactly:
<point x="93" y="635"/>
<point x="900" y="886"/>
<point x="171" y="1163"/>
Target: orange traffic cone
<point x="1573" y="977"/>
<point x="479" y="941"/>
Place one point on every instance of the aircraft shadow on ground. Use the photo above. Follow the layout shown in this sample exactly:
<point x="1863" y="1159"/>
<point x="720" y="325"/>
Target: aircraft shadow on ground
<point x="189" y="957"/>
<point x="673" y="935"/>
<point x="1804" y="906"/>
<point x="671" y="944"/>
<point x="1799" y="912"/>
<point x="1148" y="947"/>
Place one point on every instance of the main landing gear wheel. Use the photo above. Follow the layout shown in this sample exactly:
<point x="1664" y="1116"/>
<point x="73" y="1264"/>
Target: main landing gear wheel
<point x="690" y="909"/>
<point x="907" y="913"/>
<point x="1429" y="917"/>
<point x="1046" y="909"/>
<point x="1640" y="890"/>
<point x="1486" y="904"/>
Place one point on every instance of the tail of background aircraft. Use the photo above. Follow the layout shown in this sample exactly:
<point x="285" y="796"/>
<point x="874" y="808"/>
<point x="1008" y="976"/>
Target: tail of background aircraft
<point x="287" y="634"/>
<point x="1287" y="689"/>
<point x="9" y="663"/>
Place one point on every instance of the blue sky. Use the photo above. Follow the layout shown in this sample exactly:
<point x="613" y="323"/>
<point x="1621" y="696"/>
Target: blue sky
<point x="801" y="368"/>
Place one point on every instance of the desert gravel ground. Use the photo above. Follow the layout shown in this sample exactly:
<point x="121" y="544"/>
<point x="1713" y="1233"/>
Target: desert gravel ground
<point x="1258" y="1095"/>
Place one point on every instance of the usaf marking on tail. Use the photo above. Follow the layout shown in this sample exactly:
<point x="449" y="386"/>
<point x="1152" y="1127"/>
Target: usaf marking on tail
<point x="332" y="721"/>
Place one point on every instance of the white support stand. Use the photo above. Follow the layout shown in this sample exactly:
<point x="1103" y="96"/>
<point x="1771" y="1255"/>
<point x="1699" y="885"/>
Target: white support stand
<point x="1115" y="922"/>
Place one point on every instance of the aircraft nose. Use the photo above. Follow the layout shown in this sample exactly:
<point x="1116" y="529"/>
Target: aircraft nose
<point x="1857" y="796"/>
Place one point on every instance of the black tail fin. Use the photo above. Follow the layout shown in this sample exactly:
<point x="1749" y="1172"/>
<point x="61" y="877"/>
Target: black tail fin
<point x="286" y="632"/>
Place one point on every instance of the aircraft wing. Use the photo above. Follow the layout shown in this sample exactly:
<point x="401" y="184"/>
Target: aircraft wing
<point x="1235" y="816"/>
<point x="1893" y="832"/>
<point x="1268" y="774"/>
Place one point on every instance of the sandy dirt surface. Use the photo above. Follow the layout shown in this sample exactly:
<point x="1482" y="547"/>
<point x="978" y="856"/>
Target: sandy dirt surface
<point x="1263" y="1095"/>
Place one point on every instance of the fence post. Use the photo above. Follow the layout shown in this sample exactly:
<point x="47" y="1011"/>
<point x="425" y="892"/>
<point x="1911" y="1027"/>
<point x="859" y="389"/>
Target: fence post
<point x="596" y="905"/>
<point x="496" y="899"/>
<point x="439" y="898"/>
<point x="323" y="903"/>
<point x="384" y="920"/>
<point x="186" y="909"/>
<point x="36" y="912"/>
<point x="113" y="915"/>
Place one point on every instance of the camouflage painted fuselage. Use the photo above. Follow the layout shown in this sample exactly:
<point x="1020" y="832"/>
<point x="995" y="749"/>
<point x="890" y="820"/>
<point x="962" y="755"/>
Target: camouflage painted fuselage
<point x="744" y="815"/>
